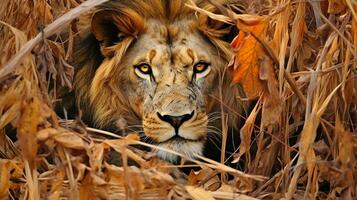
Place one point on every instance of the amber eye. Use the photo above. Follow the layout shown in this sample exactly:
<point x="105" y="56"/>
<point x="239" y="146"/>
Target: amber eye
<point x="144" y="68"/>
<point x="200" y="67"/>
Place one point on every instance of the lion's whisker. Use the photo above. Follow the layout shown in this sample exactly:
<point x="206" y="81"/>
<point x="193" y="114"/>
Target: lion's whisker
<point x="214" y="113"/>
<point x="213" y="127"/>
<point x="135" y="126"/>
<point x="213" y="119"/>
<point x="215" y="144"/>
<point x="216" y="131"/>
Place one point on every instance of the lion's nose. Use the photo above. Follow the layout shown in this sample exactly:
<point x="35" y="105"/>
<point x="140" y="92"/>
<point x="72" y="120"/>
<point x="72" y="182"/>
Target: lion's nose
<point x="176" y="121"/>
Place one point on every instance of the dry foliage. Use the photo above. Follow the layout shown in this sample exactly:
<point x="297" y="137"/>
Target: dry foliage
<point x="298" y="60"/>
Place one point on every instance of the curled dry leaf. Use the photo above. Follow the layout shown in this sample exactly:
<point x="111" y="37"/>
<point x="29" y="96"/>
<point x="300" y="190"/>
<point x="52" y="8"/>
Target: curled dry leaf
<point x="207" y="177"/>
<point x="63" y="137"/>
<point x="4" y="178"/>
<point x="336" y="6"/>
<point x="56" y="185"/>
<point x="198" y="193"/>
<point x="140" y="180"/>
<point x="8" y="169"/>
<point x="245" y="135"/>
<point x="87" y="189"/>
<point x="27" y="131"/>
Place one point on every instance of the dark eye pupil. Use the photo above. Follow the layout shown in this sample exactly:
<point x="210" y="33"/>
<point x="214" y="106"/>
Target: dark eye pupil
<point x="200" y="67"/>
<point x="144" y="68"/>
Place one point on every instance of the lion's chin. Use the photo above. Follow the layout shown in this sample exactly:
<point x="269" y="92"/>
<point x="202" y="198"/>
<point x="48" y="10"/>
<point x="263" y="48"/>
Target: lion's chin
<point x="186" y="147"/>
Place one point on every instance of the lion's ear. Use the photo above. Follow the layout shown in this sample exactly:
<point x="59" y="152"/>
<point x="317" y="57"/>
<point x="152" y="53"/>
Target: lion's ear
<point x="111" y="27"/>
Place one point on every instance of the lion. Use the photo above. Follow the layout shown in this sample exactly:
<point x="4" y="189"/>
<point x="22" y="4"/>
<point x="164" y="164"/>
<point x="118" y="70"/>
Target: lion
<point x="154" y="67"/>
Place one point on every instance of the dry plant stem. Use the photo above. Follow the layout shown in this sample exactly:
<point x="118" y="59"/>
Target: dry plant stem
<point x="32" y="182"/>
<point x="210" y="163"/>
<point x="280" y="174"/>
<point x="224" y="122"/>
<point x="72" y="181"/>
<point x="293" y="86"/>
<point x="55" y="27"/>
<point x="353" y="47"/>
<point x="350" y="6"/>
<point x="238" y="114"/>
<point x="125" y="167"/>
<point x="308" y="133"/>
<point x="287" y="75"/>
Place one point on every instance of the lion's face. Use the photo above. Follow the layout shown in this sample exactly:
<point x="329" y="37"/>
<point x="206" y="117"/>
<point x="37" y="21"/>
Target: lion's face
<point x="155" y="73"/>
<point x="171" y="71"/>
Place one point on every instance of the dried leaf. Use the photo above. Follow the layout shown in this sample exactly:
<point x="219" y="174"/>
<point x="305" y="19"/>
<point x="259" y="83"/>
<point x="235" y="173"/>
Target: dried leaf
<point x="245" y="135"/>
<point x="5" y="168"/>
<point x="87" y="190"/>
<point x="336" y="6"/>
<point x="56" y="185"/>
<point x="248" y="54"/>
<point x="63" y="137"/>
<point x="206" y="176"/>
<point x="29" y="122"/>
<point x="297" y="34"/>
<point x="198" y="193"/>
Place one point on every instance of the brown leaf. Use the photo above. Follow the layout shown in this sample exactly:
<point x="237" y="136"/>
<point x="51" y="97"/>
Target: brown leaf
<point x="297" y="33"/>
<point x="86" y="189"/>
<point x="96" y="156"/>
<point x="346" y="146"/>
<point x="9" y="169"/>
<point x="245" y="135"/>
<point x="198" y="193"/>
<point x="56" y="185"/>
<point x="27" y="129"/>
<point x="5" y="167"/>
<point x="271" y="100"/>
<point x="207" y="176"/>
<point x="63" y="137"/>
<point x="248" y="54"/>
<point x="336" y="6"/>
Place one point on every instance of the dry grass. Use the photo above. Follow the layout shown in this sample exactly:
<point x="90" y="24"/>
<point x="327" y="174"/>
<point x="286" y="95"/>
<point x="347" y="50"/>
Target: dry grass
<point x="305" y="144"/>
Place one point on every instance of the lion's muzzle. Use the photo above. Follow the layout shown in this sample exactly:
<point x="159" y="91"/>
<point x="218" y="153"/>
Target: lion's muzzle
<point x="176" y="121"/>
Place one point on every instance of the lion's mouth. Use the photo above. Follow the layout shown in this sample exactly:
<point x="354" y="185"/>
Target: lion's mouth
<point x="189" y="148"/>
<point x="178" y="138"/>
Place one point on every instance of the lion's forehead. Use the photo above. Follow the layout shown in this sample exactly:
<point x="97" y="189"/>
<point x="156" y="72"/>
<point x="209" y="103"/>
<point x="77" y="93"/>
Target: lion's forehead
<point x="170" y="46"/>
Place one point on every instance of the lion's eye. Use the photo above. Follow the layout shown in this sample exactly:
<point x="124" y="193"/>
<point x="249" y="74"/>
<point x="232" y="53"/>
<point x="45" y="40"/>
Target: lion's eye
<point x="144" y="71"/>
<point x="201" y="69"/>
<point x="144" y="68"/>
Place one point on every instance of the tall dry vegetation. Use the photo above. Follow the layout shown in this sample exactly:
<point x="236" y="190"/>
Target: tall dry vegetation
<point x="297" y="59"/>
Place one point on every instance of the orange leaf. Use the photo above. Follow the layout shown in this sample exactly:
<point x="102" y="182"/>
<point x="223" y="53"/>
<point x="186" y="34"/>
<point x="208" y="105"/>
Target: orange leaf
<point x="133" y="136"/>
<point x="27" y="130"/>
<point x="4" y="178"/>
<point x="253" y="66"/>
<point x="248" y="54"/>
<point x="8" y="169"/>
<point x="86" y="189"/>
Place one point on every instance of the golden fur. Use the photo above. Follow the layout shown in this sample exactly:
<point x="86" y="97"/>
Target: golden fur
<point x="171" y="38"/>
